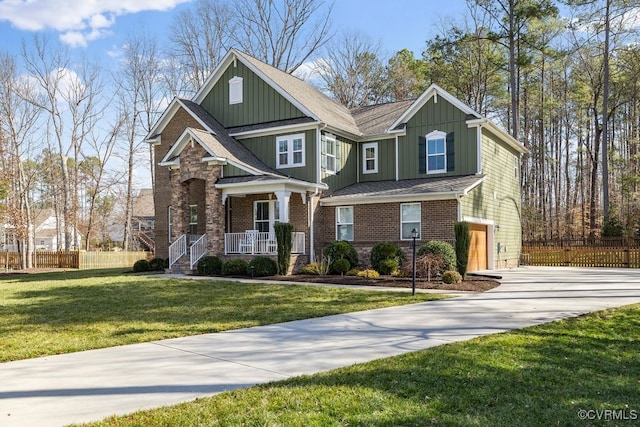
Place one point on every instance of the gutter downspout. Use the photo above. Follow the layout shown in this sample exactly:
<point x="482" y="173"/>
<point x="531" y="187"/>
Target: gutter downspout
<point x="397" y="169"/>
<point x="311" y="226"/>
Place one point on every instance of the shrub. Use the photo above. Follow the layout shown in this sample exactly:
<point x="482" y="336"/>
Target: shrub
<point x="438" y="247"/>
<point x="235" y="267"/>
<point x="320" y="268"/>
<point x="209" y="265"/>
<point x="388" y="266"/>
<point x="340" y="266"/>
<point x="284" y="239"/>
<point x="427" y="266"/>
<point x="156" y="264"/>
<point x="369" y="274"/>
<point x="262" y="266"/>
<point x="463" y="242"/>
<point x="451" y="276"/>
<point x="141" y="266"/>
<point x="353" y="272"/>
<point x="385" y="251"/>
<point x="341" y="249"/>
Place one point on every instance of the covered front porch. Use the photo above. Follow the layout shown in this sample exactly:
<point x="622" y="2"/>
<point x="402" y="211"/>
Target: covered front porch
<point x="254" y="242"/>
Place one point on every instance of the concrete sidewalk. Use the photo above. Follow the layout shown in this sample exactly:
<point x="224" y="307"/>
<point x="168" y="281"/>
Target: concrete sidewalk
<point x="91" y="385"/>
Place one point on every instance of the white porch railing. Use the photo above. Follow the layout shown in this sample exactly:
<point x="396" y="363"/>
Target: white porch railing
<point x="260" y="243"/>
<point x="197" y="250"/>
<point x="177" y="249"/>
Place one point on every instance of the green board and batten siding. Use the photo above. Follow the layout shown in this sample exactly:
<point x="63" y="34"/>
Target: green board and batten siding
<point x="498" y="197"/>
<point x="264" y="148"/>
<point x="442" y="116"/>
<point x="347" y="169"/>
<point x="261" y="103"/>
<point x="230" y="170"/>
<point x="386" y="162"/>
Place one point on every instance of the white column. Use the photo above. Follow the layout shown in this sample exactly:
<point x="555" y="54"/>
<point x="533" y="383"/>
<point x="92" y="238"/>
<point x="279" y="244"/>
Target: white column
<point x="283" y="200"/>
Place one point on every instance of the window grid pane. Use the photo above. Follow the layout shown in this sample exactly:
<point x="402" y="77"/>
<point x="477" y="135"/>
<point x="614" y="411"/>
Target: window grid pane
<point x="410" y="218"/>
<point x="344" y="223"/>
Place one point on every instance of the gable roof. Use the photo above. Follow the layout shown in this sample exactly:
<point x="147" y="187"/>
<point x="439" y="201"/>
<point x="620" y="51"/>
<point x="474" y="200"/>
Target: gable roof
<point x="473" y="118"/>
<point x="311" y="101"/>
<point x="440" y="188"/>
<point x="143" y="204"/>
<point x="220" y="149"/>
<point x="376" y="119"/>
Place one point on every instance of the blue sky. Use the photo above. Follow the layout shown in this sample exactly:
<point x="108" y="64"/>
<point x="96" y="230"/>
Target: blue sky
<point x="98" y="27"/>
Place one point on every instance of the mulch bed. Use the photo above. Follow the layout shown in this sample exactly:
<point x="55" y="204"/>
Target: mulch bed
<point x="472" y="283"/>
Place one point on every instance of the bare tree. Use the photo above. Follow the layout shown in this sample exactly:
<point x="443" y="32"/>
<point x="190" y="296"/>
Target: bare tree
<point x="139" y="91"/>
<point x="70" y="100"/>
<point x="199" y="39"/>
<point x="353" y="72"/>
<point x="282" y="33"/>
<point x="98" y="178"/>
<point x="18" y="122"/>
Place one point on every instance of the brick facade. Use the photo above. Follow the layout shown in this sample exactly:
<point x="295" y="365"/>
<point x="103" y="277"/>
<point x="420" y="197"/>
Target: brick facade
<point x="380" y="222"/>
<point x="162" y="197"/>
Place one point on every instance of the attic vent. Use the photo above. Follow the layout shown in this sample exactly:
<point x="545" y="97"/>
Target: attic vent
<point x="235" y="90"/>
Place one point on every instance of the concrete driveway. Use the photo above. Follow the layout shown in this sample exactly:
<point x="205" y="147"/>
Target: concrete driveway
<point x="91" y="385"/>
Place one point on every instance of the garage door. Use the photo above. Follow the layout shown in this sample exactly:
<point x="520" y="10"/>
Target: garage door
<point x="478" y="249"/>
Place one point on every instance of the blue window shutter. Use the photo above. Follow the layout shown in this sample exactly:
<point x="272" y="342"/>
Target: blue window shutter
<point x="451" y="162"/>
<point x="422" y="154"/>
<point x="338" y="155"/>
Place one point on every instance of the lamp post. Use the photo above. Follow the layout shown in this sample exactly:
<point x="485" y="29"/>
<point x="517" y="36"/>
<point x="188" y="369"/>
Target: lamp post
<point x="414" y="236"/>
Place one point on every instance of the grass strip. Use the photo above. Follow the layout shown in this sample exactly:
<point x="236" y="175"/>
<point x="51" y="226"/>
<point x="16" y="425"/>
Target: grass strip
<point x="543" y="375"/>
<point x="63" y="312"/>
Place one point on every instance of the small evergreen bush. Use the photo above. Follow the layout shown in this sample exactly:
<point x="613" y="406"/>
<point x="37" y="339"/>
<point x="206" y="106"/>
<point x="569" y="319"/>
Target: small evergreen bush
<point x="384" y="251"/>
<point x="340" y="249"/>
<point x="263" y="266"/>
<point x="388" y="266"/>
<point x="369" y="274"/>
<point x="156" y="264"/>
<point x="353" y="272"/>
<point x="141" y="266"/>
<point x="438" y="247"/>
<point x="284" y="240"/>
<point x="451" y="276"/>
<point x="463" y="243"/>
<point x="340" y="266"/>
<point x="209" y="265"/>
<point x="235" y="267"/>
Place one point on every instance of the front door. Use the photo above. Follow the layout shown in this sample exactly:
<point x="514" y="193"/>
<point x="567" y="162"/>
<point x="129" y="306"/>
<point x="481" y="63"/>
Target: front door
<point x="265" y="214"/>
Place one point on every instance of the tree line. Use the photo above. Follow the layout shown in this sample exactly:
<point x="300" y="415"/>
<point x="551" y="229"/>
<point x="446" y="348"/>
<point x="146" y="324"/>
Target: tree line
<point x="560" y="77"/>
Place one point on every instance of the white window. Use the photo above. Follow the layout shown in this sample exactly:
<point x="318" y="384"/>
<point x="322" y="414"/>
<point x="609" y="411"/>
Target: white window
<point x="235" y="90"/>
<point x="344" y="223"/>
<point x="330" y="150"/>
<point x="410" y="214"/>
<point x="370" y="157"/>
<point x="436" y="152"/>
<point x="290" y="151"/>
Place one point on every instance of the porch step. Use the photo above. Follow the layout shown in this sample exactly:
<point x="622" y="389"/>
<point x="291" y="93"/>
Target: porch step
<point x="181" y="267"/>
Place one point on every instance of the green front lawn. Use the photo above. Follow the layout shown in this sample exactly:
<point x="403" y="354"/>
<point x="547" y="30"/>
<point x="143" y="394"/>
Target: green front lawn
<point x="553" y="374"/>
<point x="62" y="312"/>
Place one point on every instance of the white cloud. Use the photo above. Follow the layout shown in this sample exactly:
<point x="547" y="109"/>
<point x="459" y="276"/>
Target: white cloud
<point x="78" y="21"/>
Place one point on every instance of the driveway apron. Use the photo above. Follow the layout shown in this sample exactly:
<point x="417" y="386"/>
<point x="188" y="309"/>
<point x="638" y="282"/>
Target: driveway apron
<point x="91" y="385"/>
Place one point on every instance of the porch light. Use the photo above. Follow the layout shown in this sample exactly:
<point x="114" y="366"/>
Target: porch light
<point x="414" y="236"/>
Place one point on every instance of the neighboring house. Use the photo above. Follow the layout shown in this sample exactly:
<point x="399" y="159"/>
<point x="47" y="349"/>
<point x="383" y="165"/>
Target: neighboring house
<point x="143" y="220"/>
<point x="46" y="231"/>
<point x="256" y="146"/>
